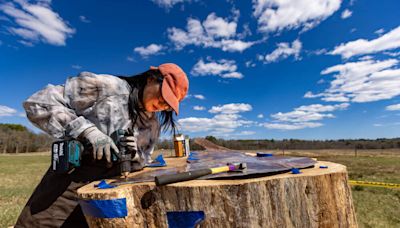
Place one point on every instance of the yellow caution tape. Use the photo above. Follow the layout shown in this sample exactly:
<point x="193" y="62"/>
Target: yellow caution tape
<point x="374" y="184"/>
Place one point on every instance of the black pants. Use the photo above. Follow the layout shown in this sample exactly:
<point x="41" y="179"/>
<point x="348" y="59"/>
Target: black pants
<point x="54" y="202"/>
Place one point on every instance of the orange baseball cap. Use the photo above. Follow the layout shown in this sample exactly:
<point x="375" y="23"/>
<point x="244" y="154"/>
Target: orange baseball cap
<point x="175" y="84"/>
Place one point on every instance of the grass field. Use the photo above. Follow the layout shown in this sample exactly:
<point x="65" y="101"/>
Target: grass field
<point x="19" y="175"/>
<point x="375" y="207"/>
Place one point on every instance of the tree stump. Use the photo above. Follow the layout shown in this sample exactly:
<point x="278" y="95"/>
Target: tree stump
<point x="317" y="197"/>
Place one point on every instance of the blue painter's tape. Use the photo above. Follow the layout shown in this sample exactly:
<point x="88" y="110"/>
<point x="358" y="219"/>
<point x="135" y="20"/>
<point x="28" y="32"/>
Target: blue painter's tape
<point x="103" y="185"/>
<point x="323" y="166"/>
<point x="192" y="156"/>
<point x="295" y="171"/>
<point x="158" y="162"/>
<point x="262" y="154"/>
<point x="113" y="208"/>
<point x="184" y="219"/>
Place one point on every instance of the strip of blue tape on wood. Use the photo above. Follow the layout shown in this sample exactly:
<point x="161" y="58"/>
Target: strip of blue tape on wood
<point x="263" y="154"/>
<point x="295" y="171"/>
<point x="103" y="185"/>
<point x="184" y="219"/>
<point x="112" y="208"/>
<point x="192" y="156"/>
<point x="158" y="162"/>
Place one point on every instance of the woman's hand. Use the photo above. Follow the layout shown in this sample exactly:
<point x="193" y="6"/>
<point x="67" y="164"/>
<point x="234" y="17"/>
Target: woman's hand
<point x="130" y="142"/>
<point x="101" y="143"/>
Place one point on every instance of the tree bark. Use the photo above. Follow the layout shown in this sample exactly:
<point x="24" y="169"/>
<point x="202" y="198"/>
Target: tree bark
<point x="314" y="198"/>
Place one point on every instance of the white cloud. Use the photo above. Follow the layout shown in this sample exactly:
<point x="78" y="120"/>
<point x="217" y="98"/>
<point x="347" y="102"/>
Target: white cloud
<point x="43" y="2"/>
<point x="394" y="107"/>
<point x="278" y="15"/>
<point x="167" y="4"/>
<point x="218" y="27"/>
<point x="246" y="32"/>
<point x="24" y="33"/>
<point x="7" y="111"/>
<point x="225" y="122"/>
<point x="380" y="31"/>
<point x="223" y="68"/>
<point x="246" y="133"/>
<point x="217" y="125"/>
<point x="84" y="19"/>
<point x="130" y="59"/>
<point x="309" y="94"/>
<point x="260" y="116"/>
<point x="319" y="51"/>
<point x="195" y="35"/>
<point x="366" y="57"/>
<point x="234" y="45"/>
<point x="78" y="67"/>
<point x="250" y="64"/>
<point x="26" y="43"/>
<point x="37" y="22"/>
<point x="199" y="108"/>
<point x="292" y="126"/>
<point x="283" y="51"/>
<point x="152" y="49"/>
<point x="362" y="81"/>
<point x="215" y="32"/>
<point x="346" y="14"/>
<point x="308" y="113"/>
<point x="232" y="75"/>
<point x="386" y="124"/>
<point x="392" y="54"/>
<point x="199" y="96"/>
<point x="303" y="117"/>
<point x="231" y="108"/>
<point x="388" y="41"/>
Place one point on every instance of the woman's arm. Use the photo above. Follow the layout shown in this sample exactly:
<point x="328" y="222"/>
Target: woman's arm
<point x="64" y="110"/>
<point x="48" y="110"/>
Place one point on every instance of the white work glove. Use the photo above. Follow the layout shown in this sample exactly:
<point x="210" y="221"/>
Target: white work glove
<point x="101" y="143"/>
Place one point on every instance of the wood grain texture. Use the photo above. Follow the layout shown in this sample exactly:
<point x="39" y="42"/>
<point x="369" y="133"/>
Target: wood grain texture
<point x="315" y="198"/>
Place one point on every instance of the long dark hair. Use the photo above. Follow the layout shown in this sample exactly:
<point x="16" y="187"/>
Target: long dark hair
<point x="136" y="107"/>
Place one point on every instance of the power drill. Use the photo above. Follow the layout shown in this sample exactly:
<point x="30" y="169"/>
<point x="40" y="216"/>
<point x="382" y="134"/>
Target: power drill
<point x="124" y="156"/>
<point x="66" y="154"/>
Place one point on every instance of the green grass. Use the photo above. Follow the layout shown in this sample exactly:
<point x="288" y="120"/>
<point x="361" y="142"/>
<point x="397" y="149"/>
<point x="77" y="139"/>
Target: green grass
<point x="19" y="176"/>
<point x="375" y="207"/>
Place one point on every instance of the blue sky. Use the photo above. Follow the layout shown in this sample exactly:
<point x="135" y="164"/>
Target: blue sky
<point x="324" y="69"/>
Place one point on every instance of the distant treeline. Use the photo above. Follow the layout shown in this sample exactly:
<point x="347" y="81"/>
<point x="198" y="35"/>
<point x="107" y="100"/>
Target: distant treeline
<point x="286" y="144"/>
<point x="16" y="138"/>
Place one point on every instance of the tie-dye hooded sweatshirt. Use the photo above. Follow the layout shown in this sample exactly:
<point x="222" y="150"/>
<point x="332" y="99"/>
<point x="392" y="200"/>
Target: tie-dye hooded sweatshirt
<point x="85" y="101"/>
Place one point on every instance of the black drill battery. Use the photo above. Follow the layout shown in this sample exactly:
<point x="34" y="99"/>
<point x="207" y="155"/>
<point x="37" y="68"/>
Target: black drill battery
<point x="65" y="155"/>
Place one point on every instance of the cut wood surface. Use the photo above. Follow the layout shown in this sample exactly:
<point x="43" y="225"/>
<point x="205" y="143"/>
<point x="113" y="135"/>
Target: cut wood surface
<point x="316" y="197"/>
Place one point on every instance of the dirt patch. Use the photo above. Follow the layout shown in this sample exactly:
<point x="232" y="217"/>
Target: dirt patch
<point x="210" y="146"/>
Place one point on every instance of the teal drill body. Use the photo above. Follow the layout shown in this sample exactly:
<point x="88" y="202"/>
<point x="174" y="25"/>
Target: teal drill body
<point x="67" y="154"/>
